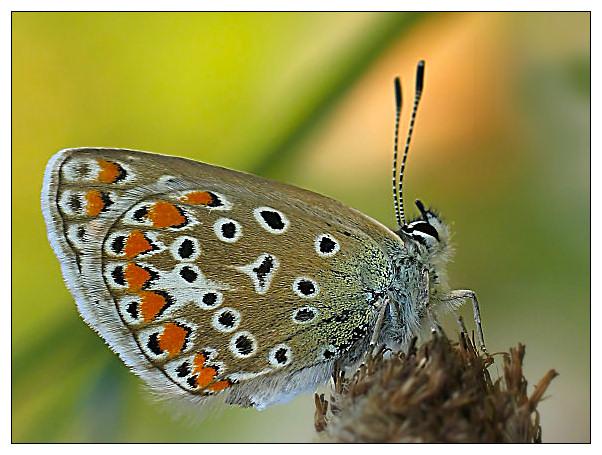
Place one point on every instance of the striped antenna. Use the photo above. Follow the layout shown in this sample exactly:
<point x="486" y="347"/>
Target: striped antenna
<point x="397" y="115"/>
<point x="419" y="87"/>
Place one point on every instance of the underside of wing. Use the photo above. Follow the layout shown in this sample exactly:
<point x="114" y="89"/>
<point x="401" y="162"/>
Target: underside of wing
<point x="207" y="280"/>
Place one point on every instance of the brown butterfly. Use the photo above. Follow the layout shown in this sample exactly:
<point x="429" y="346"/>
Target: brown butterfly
<point x="213" y="282"/>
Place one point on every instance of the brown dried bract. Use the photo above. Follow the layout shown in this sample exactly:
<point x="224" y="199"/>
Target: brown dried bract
<point x="438" y="392"/>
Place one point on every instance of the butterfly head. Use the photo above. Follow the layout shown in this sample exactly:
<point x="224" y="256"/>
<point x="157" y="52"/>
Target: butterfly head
<point x="428" y="230"/>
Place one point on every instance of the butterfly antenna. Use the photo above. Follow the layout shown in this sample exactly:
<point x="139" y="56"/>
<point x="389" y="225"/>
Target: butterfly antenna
<point x="419" y="87"/>
<point x="395" y="147"/>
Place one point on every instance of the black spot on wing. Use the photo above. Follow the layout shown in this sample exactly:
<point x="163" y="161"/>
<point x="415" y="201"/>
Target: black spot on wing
<point x="272" y="219"/>
<point x="263" y="270"/>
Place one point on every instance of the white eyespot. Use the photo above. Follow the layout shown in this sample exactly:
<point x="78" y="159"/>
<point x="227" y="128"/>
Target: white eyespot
<point x="115" y="244"/>
<point x="185" y="248"/>
<point x="80" y="170"/>
<point x="227" y="230"/>
<point x="129" y="309"/>
<point x="77" y="235"/>
<point x="304" y="314"/>
<point x="261" y="271"/>
<point x="210" y="300"/>
<point x="243" y="345"/>
<point x="280" y="355"/>
<point x="189" y="273"/>
<point x="115" y="275"/>
<point x="326" y="245"/>
<point x="306" y="288"/>
<point x="72" y="203"/>
<point x="271" y="220"/>
<point x="226" y="320"/>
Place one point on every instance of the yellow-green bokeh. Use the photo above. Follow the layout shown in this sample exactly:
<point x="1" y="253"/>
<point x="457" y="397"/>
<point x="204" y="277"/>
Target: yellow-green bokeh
<point x="501" y="148"/>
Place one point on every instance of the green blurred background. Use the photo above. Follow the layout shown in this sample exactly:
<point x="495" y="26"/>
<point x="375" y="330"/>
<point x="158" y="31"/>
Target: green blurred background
<point x="501" y="146"/>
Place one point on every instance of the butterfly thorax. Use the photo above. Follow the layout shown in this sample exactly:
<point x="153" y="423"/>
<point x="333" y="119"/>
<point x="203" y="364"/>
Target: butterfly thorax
<point x="418" y="276"/>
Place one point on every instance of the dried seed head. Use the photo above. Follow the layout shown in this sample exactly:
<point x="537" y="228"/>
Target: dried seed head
<point x="438" y="392"/>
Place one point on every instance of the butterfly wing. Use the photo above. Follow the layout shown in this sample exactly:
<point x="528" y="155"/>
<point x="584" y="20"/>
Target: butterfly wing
<point x="209" y="281"/>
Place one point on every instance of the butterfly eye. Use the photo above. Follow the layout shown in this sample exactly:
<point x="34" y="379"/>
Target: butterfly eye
<point x="425" y="229"/>
<point x="422" y="232"/>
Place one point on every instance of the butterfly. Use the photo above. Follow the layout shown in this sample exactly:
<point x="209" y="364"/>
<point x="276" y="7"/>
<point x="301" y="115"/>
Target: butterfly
<point x="209" y="282"/>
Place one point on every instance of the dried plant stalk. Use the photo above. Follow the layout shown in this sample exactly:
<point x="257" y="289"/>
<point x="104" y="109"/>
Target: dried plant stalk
<point x="438" y="392"/>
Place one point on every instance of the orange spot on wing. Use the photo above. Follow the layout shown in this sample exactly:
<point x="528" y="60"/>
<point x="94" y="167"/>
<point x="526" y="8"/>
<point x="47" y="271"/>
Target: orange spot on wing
<point x="108" y="171"/>
<point x="219" y="385"/>
<point x="95" y="204"/>
<point x="135" y="276"/>
<point x="172" y="339"/>
<point x="135" y="244"/>
<point x="199" y="361"/>
<point x="150" y="304"/>
<point x="163" y="214"/>
<point x="205" y="374"/>
<point x="197" y="198"/>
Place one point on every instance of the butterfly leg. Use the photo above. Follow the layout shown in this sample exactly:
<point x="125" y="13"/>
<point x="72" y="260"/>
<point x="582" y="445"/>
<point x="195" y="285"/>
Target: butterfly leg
<point x="425" y="301"/>
<point x="459" y="321"/>
<point x="394" y="313"/>
<point x="462" y="294"/>
<point x="377" y="327"/>
<point x="379" y="322"/>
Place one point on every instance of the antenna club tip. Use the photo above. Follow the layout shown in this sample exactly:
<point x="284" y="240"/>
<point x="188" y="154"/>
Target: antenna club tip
<point x="420" y="77"/>
<point x="397" y="83"/>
